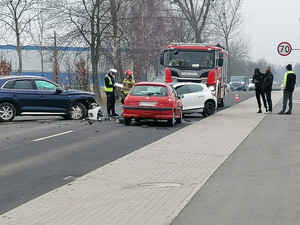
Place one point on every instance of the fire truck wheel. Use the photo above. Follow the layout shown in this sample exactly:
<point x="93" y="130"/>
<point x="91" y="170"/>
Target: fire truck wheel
<point x="209" y="109"/>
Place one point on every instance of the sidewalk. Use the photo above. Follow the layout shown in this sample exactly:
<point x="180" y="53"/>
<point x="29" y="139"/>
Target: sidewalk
<point x="259" y="183"/>
<point x="151" y="185"/>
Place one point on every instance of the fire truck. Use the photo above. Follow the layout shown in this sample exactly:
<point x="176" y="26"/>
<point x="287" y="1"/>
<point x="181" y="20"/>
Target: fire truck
<point x="197" y="62"/>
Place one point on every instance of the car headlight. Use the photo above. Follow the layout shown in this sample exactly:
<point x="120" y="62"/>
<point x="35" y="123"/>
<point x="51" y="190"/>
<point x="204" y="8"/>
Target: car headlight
<point x="242" y="82"/>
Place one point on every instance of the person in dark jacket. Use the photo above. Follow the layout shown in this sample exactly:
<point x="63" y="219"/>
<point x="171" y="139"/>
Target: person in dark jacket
<point x="258" y="79"/>
<point x="109" y="87"/>
<point x="288" y="89"/>
<point x="267" y="88"/>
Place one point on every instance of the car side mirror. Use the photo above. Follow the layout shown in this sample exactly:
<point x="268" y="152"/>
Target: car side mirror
<point x="59" y="90"/>
<point x="180" y="96"/>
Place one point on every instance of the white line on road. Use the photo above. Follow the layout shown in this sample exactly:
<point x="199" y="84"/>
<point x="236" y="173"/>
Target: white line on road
<point x="51" y="136"/>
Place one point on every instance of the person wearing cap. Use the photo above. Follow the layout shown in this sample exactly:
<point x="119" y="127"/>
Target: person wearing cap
<point x="288" y="89"/>
<point x="109" y="88"/>
<point x="128" y="83"/>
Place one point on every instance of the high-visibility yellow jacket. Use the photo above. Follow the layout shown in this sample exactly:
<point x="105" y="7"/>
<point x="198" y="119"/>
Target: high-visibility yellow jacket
<point x="289" y="81"/>
<point x="108" y="86"/>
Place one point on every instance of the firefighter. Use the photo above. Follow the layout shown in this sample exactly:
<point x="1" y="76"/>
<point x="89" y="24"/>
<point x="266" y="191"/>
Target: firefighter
<point x="128" y="83"/>
<point x="288" y="89"/>
<point x="109" y="87"/>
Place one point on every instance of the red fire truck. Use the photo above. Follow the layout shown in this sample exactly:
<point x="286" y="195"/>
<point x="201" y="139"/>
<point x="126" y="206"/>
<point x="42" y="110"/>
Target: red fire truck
<point x="197" y="62"/>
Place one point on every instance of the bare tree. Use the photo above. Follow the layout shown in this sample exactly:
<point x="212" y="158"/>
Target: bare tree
<point x="196" y="13"/>
<point x="15" y="17"/>
<point x="82" y="75"/>
<point x="37" y="32"/>
<point x="55" y="65"/>
<point x="147" y="27"/>
<point x="226" y="21"/>
<point x="83" y="22"/>
<point x="5" y="68"/>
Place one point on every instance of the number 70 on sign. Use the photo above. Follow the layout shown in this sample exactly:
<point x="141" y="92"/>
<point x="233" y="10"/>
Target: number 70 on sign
<point x="285" y="48"/>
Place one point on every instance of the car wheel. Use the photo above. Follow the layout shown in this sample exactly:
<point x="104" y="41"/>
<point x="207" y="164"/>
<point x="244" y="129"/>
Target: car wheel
<point x="179" y="120"/>
<point x="78" y="111"/>
<point x="7" y="112"/>
<point x="209" y="109"/>
<point x="127" y="121"/>
<point x="172" y="121"/>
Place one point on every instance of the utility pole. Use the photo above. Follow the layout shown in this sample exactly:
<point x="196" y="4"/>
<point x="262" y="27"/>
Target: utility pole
<point x="55" y="76"/>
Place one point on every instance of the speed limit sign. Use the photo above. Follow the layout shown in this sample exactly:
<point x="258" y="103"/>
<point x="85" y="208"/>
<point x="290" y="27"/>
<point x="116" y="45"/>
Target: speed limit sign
<point x="284" y="48"/>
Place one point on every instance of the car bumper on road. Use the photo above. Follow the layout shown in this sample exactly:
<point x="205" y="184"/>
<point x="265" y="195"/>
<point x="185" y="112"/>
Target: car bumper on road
<point x="162" y="113"/>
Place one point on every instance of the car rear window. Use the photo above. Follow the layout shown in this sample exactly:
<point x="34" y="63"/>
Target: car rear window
<point x="149" y="90"/>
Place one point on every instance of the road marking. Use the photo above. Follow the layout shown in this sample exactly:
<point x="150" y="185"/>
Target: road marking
<point x="51" y="136"/>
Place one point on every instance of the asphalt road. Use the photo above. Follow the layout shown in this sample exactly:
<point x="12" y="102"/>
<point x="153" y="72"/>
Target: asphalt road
<point x="39" y="154"/>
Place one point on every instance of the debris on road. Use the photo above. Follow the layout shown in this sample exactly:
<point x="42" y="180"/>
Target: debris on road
<point x="162" y="128"/>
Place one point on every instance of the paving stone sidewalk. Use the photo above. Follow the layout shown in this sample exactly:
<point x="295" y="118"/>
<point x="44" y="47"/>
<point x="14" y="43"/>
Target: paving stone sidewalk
<point x="151" y="185"/>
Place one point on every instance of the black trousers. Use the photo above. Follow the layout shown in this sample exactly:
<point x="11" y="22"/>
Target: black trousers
<point x="260" y="93"/>
<point x="287" y="95"/>
<point x="269" y="100"/>
<point x="111" y="100"/>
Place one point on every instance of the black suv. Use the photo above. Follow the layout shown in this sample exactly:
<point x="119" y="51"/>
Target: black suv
<point x="33" y="95"/>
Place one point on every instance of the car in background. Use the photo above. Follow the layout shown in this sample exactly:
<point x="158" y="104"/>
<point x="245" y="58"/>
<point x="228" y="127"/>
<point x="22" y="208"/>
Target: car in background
<point x="276" y="86"/>
<point x="238" y="83"/>
<point x="251" y="85"/>
<point x="34" y="95"/>
<point x="197" y="98"/>
<point x="152" y="100"/>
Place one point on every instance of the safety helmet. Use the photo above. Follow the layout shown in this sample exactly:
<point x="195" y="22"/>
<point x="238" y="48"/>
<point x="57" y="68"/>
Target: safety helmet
<point x="128" y="72"/>
<point x="114" y="71"/>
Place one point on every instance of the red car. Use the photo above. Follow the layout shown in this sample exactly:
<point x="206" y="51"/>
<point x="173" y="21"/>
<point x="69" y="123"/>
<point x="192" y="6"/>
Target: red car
<point x="153" y="100"/>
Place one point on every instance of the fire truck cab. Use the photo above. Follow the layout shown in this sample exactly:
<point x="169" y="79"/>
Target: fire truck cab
<point x="197" y="62"/>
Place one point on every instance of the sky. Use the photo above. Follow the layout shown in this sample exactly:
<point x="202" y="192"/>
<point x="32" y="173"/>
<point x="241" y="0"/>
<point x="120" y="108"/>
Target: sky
<point x="268" y="23"/>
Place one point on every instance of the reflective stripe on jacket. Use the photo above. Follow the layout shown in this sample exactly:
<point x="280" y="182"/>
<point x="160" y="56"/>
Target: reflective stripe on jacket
<point x="127" y="85"/>
<point x="289" y="81"/>
<point x="108" y="89"/>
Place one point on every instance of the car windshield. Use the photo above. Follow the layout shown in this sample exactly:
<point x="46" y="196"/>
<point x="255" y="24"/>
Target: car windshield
<point x="237" y="79"/>
<point x="149" y="90"/>
<point x="191" y="59"/>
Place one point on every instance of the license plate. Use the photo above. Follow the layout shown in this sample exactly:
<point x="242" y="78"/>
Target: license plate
<point x="147" y="103"/>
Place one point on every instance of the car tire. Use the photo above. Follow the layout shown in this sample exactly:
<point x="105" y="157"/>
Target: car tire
<point x="171" y="122"/>
<point x="179" y="120"/>
<point x="127" y="121"/>
<point x="78" y="111"/>
<point x="209" y="109"/>
<point x="7" y="112"/>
